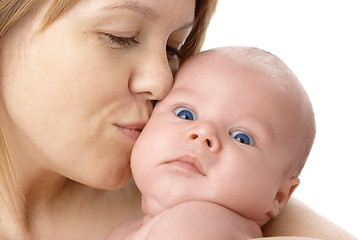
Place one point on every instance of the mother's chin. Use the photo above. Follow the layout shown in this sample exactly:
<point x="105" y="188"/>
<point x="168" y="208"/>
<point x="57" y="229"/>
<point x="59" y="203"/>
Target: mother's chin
<point x="108" y="168"/>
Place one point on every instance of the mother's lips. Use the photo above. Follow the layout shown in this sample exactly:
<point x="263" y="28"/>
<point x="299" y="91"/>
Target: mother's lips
<point x="188" y="163"/>
<point x="132" y="131"/>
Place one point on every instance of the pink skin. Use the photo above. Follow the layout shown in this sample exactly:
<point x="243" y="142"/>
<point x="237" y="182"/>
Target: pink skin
<point x="177" y="160"/>
<point x="75" y="104"/>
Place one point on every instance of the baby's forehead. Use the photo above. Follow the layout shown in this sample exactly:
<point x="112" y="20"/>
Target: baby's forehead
<point x="243" y="56"/>
<point x="239" y="66"/>
<point x="248" y="65"/>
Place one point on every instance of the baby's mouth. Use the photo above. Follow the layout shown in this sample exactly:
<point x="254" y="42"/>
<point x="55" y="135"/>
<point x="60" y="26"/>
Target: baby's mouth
<point x="188" y="163"/>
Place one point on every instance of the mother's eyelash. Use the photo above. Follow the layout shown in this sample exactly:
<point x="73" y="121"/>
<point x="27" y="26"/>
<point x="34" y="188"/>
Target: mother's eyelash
<point x="121" y="41"/>
<point x="174" y="52"/>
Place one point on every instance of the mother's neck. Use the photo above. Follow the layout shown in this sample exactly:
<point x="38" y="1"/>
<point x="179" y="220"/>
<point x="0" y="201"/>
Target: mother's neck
<point x="31" y="191"/>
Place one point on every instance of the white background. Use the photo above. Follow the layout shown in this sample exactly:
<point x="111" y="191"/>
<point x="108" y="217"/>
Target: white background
<point x="320" y="41"/>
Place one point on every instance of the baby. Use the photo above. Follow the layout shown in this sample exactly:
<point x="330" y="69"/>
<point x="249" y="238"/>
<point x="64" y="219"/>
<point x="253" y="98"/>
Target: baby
<point x="222" y="153"/>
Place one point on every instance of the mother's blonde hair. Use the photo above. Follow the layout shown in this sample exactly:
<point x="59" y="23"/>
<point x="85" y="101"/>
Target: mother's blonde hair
<point x="12" y="11"/>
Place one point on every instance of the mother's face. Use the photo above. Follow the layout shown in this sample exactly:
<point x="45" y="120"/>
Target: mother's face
<point x="76" y="94"/>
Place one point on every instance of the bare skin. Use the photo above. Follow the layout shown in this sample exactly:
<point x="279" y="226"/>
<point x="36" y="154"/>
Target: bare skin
<point x="303" y="222"/>
<point x="54" y="205"/>
<point x="204" y="160"/>
<point x="74" y="98"/>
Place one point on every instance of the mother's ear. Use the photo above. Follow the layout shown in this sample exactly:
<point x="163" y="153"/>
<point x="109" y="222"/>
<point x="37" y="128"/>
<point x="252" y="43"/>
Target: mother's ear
<point x="285" y="190"/>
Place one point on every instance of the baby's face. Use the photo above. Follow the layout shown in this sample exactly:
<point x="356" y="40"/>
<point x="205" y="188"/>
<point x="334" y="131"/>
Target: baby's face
<point x="220" y="136"/>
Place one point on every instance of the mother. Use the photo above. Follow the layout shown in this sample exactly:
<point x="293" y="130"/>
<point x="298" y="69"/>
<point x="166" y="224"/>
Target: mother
<point x="78" y="79"/>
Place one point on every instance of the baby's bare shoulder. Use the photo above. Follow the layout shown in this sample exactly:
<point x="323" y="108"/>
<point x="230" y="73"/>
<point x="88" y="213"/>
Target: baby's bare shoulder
<point x="202" y="220"/>
<point x="126" y="229"/>
<point x="190" y="220"/>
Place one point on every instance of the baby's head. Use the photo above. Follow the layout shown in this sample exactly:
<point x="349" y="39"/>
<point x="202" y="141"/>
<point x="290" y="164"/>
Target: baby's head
<point x="236" y="129"/>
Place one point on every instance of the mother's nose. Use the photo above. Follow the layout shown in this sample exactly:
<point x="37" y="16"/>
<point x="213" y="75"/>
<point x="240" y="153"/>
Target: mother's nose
<point x="152" y="76"/>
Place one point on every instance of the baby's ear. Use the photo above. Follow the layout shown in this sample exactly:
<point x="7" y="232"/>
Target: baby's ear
<point x="285" y="190"/>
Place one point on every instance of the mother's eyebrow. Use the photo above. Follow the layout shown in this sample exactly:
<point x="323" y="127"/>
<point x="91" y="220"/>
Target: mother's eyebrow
<point x="147" y="12"/>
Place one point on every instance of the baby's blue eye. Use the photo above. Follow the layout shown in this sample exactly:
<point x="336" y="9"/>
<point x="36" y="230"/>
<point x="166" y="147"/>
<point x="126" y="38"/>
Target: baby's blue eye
<point x="242" y="137"/>
<point x="185" y="113"/>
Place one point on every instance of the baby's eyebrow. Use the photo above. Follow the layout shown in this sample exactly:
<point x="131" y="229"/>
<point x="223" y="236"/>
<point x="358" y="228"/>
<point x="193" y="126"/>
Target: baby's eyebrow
<point x="134" y="6"/>
<point x="260" y="128"/>
<point x="184" y="90"/>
